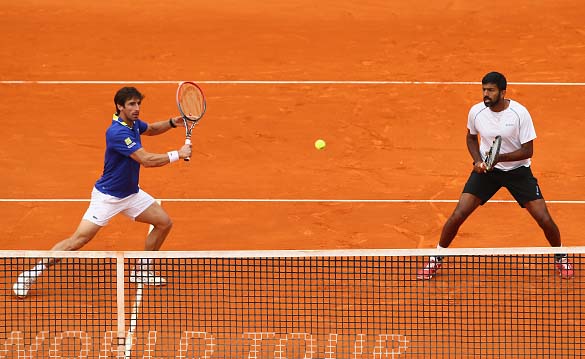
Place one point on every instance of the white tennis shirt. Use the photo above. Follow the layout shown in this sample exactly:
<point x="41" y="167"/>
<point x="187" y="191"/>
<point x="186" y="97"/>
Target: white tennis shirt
<point x="514" y="124"/>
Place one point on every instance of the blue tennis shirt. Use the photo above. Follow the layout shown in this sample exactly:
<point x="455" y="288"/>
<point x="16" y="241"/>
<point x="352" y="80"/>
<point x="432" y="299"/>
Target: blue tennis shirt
<point x="121" y="172"/>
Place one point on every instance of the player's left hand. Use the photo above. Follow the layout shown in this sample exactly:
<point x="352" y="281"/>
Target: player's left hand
<point x="480" y="167"/>
<point x="178" y="121"/>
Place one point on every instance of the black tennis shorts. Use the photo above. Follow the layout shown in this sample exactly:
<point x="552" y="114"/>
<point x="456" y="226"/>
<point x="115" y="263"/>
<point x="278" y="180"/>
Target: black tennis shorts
<point x="520" y="182"/>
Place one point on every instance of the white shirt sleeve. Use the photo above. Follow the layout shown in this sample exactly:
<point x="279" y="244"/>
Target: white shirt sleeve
<point x="527" y="131"/>
<point x="471" y="121"/>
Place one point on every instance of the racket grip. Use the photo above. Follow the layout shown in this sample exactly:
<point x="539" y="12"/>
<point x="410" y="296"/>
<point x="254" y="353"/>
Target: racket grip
<point x="187" y="142"/>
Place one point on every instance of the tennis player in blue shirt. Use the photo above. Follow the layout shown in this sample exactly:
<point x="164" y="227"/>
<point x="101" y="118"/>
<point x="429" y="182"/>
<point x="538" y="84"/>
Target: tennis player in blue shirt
<point x="117" y="190"/>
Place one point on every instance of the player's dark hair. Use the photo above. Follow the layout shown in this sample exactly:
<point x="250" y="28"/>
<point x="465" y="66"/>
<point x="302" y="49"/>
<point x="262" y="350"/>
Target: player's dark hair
<point x="124" y="94"/>
<point x="495" y="78"/>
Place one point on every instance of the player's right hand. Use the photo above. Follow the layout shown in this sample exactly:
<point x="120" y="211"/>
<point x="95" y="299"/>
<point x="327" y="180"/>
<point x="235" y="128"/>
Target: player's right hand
<point x="185" y="151"/>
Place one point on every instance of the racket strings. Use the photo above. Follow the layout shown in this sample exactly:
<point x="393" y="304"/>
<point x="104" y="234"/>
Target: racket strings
<point x="192" y="102"/>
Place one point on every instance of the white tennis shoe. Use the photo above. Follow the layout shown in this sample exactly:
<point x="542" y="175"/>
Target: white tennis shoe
<point x="147" y="277"/>
<point x="25" y="280"/>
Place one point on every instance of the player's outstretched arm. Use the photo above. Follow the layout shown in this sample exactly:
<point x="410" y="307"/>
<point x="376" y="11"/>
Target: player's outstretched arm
<point x="148" y="159"/>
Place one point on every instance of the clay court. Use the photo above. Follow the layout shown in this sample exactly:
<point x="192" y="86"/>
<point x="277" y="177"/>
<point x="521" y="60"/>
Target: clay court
<point x="388" y="85"/>
<point x="385" y="141"/>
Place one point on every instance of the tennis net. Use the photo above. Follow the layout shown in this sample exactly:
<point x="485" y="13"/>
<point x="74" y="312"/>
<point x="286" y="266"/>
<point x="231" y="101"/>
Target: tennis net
<point x="482" y="303"/>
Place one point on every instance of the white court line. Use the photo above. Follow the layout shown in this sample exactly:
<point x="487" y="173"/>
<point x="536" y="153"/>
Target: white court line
<point x="133" y="321"/>
<point x="276" y="82"/>
<point x="285" y="200"/>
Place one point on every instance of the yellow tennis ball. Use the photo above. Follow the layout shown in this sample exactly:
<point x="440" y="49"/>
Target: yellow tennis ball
<point x="320" y="144"/>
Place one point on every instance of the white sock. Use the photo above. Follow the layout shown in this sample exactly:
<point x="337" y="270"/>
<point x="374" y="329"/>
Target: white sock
<point x="437" y="258"/>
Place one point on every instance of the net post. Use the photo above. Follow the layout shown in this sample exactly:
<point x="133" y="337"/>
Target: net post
<point x="121" y="337"/>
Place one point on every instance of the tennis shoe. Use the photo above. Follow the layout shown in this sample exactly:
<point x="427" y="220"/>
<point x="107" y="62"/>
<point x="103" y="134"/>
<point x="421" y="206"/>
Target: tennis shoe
<point x="564" y="267"/>
<point x="147" y="277"/>
<point x="429" y="270"/>
<point x="23" y="284"/>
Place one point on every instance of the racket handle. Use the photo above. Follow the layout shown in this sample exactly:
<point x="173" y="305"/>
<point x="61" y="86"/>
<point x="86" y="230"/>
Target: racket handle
<point x="187" y="142"/>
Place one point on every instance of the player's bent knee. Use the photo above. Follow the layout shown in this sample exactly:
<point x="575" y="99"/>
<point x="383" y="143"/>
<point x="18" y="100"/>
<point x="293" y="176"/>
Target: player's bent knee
<point x="164" y="224"/>
<point x="545" y="221"/>
<point x="169" y="224"/>
<point x="458" y="217"/>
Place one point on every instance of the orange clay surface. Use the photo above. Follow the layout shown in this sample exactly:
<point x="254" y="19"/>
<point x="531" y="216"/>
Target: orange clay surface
<point x="390" y="141"/>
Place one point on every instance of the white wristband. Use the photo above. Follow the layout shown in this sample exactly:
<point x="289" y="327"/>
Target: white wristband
<point x="173" y="156"/>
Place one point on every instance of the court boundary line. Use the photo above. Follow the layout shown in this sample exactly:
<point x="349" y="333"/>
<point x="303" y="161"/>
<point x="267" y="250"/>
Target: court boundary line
<point x="275" y="82"/>
<point x="283" y="200"/>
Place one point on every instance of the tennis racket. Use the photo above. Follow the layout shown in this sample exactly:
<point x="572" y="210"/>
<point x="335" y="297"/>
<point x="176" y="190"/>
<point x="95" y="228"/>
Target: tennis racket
<point x="493" y="153"/>
<point x="192" y="106"/>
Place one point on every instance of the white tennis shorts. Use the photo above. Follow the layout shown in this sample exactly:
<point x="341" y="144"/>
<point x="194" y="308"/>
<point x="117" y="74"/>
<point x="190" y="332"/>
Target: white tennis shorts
<point x="104" y="207"/>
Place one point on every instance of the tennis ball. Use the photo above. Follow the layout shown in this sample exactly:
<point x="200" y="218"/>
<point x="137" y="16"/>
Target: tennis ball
<point x="320" y="144"/>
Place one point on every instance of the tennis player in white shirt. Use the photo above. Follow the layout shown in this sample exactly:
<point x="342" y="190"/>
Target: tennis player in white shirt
<point x="497" y="115"/>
